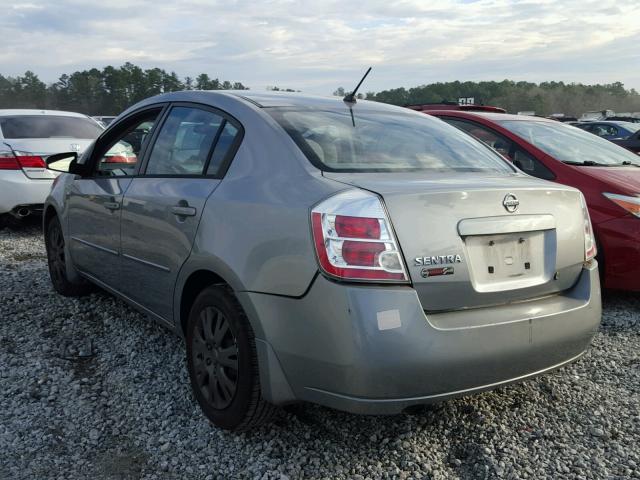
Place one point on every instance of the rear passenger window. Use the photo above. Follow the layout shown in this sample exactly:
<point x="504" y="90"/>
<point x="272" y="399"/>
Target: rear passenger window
<point x="502" y="145"/>
<point x="223" y="148"/>
<point x="508" y="149"/>
<point x="184" y="143"/>
<point x="531" y="165"/>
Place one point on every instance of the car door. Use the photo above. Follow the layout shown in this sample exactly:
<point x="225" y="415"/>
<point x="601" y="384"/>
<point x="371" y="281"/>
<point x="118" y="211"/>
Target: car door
<point x="94" y="201"/>
<point x="162" y="207"/>
<point x="631" y="143"/>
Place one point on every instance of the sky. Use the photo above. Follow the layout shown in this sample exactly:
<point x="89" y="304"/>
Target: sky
<point x="320" y="45"/>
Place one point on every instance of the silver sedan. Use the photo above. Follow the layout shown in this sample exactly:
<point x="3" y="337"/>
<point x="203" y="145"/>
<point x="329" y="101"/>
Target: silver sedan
<point x="357" y="255"/>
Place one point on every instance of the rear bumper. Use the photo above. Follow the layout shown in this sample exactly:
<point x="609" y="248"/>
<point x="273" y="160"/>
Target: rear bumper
<point x="620" y="241"/>
<point x="16" y="190"/>
<point x="372" y="350"/>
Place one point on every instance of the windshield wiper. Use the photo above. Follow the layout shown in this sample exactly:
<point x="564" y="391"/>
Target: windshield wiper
<point x="587" y="163"/>
<point x="629" y="162"/>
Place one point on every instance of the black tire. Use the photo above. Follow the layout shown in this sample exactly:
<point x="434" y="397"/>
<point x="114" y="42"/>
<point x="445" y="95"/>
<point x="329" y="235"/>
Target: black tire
<point x="223" y="364"/>
<point x="54" y="242"/>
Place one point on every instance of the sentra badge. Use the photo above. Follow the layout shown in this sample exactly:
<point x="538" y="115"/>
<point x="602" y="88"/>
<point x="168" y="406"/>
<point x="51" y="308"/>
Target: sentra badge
<point x="437" y="260"/>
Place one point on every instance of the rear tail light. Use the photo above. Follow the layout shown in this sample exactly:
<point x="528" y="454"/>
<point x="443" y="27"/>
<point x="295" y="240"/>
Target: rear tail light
<point x="354" y="239"/>
<point x="590" y="249"/>
<point x="30" y="161"/>
<point x="8" y="161"/>
<point x="15" y="161"/>
<point x="120" y="159"/>
<point x="630" y="204"/>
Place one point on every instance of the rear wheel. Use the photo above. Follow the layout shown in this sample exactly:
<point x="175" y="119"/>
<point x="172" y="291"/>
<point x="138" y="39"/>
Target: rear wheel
<point x="223" y="364"/>
<point x="56" y="259"/>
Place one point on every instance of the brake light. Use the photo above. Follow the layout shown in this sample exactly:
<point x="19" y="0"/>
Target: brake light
<point x="15" y="161"/>
<point x="8" y="161"/>
<point x="31" y="161"/>
<point x="120" y="159"/>
<point x="354" y="240"/>
<point x="357" y="227"/>
<point x="590" y="249"/>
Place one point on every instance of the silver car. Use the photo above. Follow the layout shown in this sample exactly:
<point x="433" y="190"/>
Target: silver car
<point x="356" y="255"/>
<point x="27" y="137"/>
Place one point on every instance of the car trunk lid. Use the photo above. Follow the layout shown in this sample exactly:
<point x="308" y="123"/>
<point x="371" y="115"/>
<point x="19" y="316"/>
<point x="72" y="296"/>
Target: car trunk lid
<point x="471" y="240"/>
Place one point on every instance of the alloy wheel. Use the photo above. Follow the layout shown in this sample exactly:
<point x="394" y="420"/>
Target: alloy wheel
<point x="56" y="254"/>
<point x="215" y="358"/>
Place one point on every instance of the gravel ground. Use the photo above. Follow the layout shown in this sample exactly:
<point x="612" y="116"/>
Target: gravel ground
<point x="89" y="388"/>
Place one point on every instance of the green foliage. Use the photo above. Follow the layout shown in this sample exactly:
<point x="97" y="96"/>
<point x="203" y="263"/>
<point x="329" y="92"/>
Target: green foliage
<point x="100" y="92"/>
<point x="544" y="98"/>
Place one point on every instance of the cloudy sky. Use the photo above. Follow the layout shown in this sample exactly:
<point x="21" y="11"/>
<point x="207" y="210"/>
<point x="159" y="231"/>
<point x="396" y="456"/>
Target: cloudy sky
<point x="320" y="45"/>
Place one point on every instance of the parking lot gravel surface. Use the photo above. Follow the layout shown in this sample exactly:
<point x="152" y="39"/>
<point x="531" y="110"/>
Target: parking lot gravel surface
<point x="89" y="388"/>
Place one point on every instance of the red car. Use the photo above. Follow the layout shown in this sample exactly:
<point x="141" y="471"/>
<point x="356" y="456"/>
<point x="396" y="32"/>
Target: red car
<point x="607" y="175"/>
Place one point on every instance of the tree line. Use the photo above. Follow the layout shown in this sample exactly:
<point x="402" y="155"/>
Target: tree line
<point x="110" y="90"/>
<point x="100" y="92"/>
<point x="543" y="98"/>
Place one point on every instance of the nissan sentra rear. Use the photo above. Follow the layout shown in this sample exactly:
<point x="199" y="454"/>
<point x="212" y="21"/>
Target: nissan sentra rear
<point x="443" y="271"/>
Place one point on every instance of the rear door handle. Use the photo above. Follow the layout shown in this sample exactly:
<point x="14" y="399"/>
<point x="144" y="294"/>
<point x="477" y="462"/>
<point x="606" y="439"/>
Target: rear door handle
<point x="183" y="211"/>
<point x="111" y="205"/>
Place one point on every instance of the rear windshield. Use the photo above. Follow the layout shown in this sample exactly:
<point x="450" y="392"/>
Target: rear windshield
<point x="381" y="141"/>
<point x="569" y="144"/>
<point x="48" y="126"/>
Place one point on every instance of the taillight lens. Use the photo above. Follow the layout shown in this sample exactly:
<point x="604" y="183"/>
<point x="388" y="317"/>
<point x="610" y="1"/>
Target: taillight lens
<point x="120" y="159"/>
<point x="354" y="240"/>
<point x="630" y="204"/>
<point x="590" y="249"/>
<point x="8" y="161"/>
<point x="15" y="161"/>
<point x="30" y="161"/>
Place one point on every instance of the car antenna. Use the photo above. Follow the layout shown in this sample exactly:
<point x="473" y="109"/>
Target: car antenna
<point x="351" y="97"/>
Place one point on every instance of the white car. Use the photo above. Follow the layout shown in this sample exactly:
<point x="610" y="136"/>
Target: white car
<point x="27" y="137"/>
<point x="104" y="120"/>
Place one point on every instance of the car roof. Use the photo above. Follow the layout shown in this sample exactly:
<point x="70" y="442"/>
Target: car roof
<point x="16" y="112"/>
<point x="618" y="123"/>
<point x="421" y="107"/>
<point x="489" y="115"/>
<point x="288" y="99"/>
<point x="265" y="99"/>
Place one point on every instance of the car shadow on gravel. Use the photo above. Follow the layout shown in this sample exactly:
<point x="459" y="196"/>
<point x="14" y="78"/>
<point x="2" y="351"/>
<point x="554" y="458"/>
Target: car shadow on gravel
<point x="27" y="224"/>
<point x="467" y="451"/>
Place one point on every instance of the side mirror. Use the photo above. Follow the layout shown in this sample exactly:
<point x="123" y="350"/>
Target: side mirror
<point x="66" y="162"/>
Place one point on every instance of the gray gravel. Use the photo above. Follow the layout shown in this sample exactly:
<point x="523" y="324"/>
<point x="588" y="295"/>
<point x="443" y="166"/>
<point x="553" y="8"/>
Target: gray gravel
<point x="89" y="388"/>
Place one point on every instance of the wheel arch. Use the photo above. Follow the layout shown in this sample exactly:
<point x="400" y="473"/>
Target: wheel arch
<point x="49" y="213"/>
<point x="196" y="275"/>
<point x="193" y="285"/>
<point x="273" y="382"/>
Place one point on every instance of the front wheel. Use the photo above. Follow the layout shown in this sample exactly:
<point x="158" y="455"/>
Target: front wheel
<point x="56" y="259"/>
<point x="223" y="364"/>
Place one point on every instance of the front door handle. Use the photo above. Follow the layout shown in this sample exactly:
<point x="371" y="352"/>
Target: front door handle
<point x="111" y="205"/>
<point x="181" y="211"/>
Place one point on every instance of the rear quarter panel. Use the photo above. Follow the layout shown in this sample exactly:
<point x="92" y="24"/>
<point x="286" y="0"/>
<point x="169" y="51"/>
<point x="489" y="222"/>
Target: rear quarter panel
<point x="255" y="230"/>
